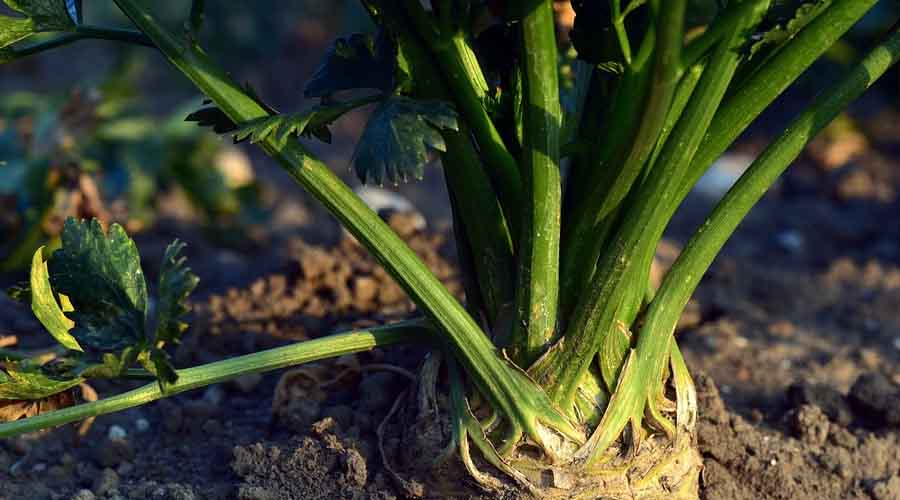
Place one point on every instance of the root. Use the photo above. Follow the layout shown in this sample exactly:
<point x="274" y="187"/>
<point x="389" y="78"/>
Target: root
<point x="655" y="462"/>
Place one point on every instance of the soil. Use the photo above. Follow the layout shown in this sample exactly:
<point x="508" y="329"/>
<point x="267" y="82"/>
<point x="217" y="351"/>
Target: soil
<point x="793" y="339"/>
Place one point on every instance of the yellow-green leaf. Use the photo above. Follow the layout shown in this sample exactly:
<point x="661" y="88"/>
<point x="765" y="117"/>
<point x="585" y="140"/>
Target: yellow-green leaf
<point x="46" y="308"/>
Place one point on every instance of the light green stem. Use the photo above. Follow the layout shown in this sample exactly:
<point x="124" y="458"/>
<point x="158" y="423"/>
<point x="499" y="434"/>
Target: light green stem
<point x="655" y="337"/>
<point x="220" y="371"/>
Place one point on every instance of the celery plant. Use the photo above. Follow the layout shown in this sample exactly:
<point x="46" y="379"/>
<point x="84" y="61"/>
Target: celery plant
<point x="561" y="342"/>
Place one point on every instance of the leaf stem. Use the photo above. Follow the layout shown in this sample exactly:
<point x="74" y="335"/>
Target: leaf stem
<point x="81" y="32"/>
<point x="220" y="371"/>
<point x="690" y="266"/>
<point x="581" y="244"/>
<point x="767" y="83"/>
<point x="469" y="88"/>
<point x="537" y="292"/>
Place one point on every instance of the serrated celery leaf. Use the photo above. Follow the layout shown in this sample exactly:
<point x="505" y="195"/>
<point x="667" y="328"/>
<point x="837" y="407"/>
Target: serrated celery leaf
<point x="17" y="383"/>
<point x="102" y="277"/>
<point x="312" y="122"/>
<point x="176" y="282"/>
<point x="40" y="16"/>
<point x="395" y="144"/>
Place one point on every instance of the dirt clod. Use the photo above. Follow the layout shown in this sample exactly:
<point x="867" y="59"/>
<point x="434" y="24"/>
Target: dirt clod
<point x="308" y="468"/>
<point x="811" y="425"/>
<point x="106" y="483"/>
<point x="824" y="397"/>
<point x="876" y="398"/>
<point x="887" y="489"/>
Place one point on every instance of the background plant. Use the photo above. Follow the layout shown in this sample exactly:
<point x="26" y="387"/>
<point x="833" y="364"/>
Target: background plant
<point x="94" y="152"/>
<point x="561" y="336"/>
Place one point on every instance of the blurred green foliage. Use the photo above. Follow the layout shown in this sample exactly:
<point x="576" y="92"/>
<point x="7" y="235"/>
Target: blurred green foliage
<point x="94" y="152"/>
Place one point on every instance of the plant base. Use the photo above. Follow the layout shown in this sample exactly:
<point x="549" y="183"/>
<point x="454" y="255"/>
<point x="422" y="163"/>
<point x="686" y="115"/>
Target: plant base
<point x="419" y="452"/>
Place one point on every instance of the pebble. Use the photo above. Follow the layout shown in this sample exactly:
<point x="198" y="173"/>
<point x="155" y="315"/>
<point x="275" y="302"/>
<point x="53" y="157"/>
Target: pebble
<point x="790" y="240"/>
<point x="38" y="468"/>
<point x="116" y="432"/>
<point x="214" y="395"/>
<point x="83" y="495"/>
<point x="142" y="424"/>
<point x="382" y="200"/>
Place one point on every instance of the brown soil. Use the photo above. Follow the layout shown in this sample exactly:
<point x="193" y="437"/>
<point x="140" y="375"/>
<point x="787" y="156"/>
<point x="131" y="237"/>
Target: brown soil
<point x="794" y="340"/>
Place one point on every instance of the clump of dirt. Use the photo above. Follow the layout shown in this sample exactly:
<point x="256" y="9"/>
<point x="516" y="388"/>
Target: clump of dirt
<point x="322" y="288"/>
<point x="322" y="466"/>
<point x="805" y="456"/>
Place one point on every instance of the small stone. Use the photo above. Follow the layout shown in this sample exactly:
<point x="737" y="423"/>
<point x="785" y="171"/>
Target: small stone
<point x="783" y="329"/>
<point x="116" y="432"/>
<point x="214" y="394"/>
<point x="83" y="495"/>
<point x="38" y="468"/>
<point x="790" y="240"/>
<point x="365" y="289"/>
<point x="827" y="398"/>
<point x="247" y="383"/>
<point x="106" y="482"/>
<point x="142" y="424"/>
